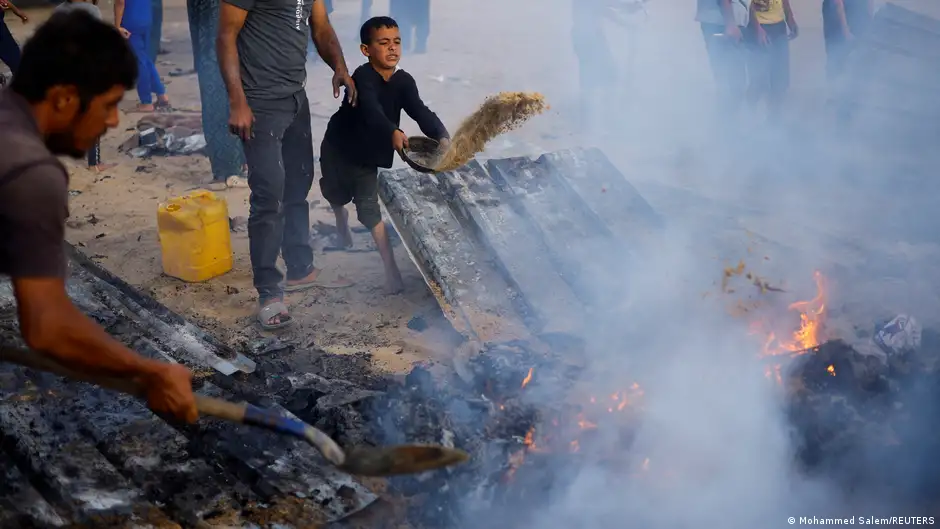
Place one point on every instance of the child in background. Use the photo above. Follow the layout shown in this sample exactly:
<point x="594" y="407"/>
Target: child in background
<point x="769" y="34"/>
<point x="134" y="18"/>
<point x="360" y="139"/>
<point x="94" y="155"/>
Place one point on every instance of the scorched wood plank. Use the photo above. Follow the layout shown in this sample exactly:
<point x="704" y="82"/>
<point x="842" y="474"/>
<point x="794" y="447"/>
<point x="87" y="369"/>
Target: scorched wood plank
<point x="516" y="247"/>
<point x="472" y="294"/>
<point x="579" y="244"/>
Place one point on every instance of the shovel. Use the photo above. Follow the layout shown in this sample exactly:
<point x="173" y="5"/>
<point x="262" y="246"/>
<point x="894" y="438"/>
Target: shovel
<point x="360" y="461"/>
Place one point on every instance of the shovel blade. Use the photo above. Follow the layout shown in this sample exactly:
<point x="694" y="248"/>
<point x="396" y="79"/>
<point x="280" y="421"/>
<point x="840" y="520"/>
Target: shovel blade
<point x="404" y="459"/>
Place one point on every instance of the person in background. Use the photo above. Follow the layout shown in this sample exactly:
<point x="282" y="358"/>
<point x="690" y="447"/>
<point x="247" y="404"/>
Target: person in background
<point x="415" y="19"/>
<point x="9" y="49"/>
<point x="262" y="53"/>
<point x="843" y="22"/>
<point x="225" y="153"/>
<point x="134" y="19"/>
<point x="91" y="7"/>
<point x="360" y="139"/>
<point x="596" y="67"/>
<point x="64" y="96"/>
<point x="723" y="23"/>
<point x="771" y="28"/>
<point x="156" y="29"/>
<point x="366" y="11"/>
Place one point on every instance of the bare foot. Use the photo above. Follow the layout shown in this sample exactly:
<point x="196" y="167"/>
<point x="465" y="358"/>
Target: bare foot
<point x="103" y="167"/>
<point x="144" y="108"/>
<point x="393" y="283"/>
<point x="314" y="280"/>
<point x="345" y="239"/>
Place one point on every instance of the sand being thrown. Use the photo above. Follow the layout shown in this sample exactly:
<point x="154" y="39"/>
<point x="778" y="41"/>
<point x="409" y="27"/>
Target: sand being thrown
<point x="499" y="114"/>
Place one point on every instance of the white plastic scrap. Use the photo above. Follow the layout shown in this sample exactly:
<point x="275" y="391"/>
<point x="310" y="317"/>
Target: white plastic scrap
<point x="899" y="336"/>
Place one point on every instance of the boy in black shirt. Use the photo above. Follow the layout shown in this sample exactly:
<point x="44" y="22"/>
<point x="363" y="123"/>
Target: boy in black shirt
<point x="360" y="139"/>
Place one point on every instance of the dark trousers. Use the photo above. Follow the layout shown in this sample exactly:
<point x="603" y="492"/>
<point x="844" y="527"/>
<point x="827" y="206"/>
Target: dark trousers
<point x="280" y="173"/>
<point x="148" y="79"/>
<point x="156" y="29"/>
<point x="768" y="67"/>
<point x="728" y="61"/>
<point x="94" y="155"/>
<point x="223" y="149"/>
<point x="414" y="21"/>
<point x="9" y="49"/>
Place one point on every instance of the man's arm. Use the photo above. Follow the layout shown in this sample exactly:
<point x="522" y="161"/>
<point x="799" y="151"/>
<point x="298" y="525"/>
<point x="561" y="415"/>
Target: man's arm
<point x="7" y="4"/>
<point x="427" y="120"/>
<point x="33" y="209"/>
<point x="840" y="13"/>
<point x="231" y="22"/>
<point x="118" y="12"/>
<point x="324" y="38"/>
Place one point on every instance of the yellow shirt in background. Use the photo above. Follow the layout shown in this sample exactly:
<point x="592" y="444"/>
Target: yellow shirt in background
<point x="768" y="11"/>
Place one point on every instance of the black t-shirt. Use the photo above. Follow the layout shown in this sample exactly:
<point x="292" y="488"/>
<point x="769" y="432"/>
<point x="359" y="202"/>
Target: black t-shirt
<point x="363" y="133"/>
<point x="33" y="196"/>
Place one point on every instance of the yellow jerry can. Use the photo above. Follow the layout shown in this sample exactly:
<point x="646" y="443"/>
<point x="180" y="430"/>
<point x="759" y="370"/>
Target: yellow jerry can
<point x="194" y="236"/>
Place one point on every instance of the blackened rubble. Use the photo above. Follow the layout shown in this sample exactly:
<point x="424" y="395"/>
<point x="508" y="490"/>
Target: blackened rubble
<point x="870" y="426"/>
<point x="75" y="455"/>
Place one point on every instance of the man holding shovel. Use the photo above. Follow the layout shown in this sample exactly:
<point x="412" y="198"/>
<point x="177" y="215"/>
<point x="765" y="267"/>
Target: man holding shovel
<point x="64" y="96"/>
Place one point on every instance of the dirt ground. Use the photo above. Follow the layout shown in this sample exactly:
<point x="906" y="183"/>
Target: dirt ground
<point x="473" y="44"/>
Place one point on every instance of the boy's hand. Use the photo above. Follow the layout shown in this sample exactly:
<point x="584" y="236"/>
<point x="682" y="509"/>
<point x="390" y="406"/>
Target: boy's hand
<point x="733" y="32"/>
<point x="124" y="33"/>
<point x="24" y="18"/>
<point x="399" y="140"/>
<point x="444" y="143"/>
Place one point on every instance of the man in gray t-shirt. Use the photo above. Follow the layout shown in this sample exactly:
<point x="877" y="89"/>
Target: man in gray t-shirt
<point x="262" y="48"/>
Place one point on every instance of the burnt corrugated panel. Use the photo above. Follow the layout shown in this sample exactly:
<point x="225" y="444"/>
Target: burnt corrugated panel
<point x="516" y="246"/>
<point x="459" y="273"/>
<point x="578" y="242"/>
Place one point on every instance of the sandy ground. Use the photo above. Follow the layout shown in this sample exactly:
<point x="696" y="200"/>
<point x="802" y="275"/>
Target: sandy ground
<point x="477" y="48"/>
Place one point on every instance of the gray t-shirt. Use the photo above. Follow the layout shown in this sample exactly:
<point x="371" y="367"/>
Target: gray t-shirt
<point x="34" y="197"/>
<point x="272" y="46"/>
<point x="79" y="6"/>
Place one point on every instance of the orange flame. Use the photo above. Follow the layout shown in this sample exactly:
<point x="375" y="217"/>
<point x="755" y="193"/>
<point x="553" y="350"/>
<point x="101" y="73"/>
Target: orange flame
<point x="528" y="377"/>
<point x="812" y="321"/>
<point x="831" y="370"/>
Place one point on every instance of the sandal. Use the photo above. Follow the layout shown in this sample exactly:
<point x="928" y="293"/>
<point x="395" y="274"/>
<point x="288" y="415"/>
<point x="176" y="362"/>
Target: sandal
<point x="270" y="311"/>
